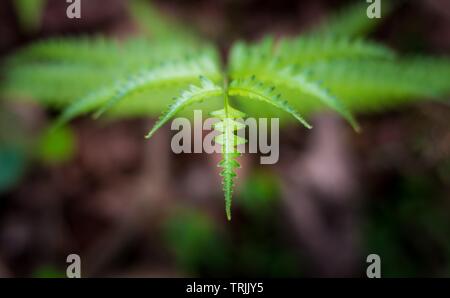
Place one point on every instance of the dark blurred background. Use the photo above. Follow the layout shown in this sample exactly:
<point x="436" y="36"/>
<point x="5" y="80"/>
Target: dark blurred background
<point x="133" y="208"/>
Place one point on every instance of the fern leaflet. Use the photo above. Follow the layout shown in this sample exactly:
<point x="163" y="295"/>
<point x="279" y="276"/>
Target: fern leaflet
<point x="253" y="89"/>
<point x="163" y="75"/>
<point x="302" y="83"/>
<point x="195" y="94"/>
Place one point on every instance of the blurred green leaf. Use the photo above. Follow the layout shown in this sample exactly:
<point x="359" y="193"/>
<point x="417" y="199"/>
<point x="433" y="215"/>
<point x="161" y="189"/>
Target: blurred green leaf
<point x="56" y="145"/>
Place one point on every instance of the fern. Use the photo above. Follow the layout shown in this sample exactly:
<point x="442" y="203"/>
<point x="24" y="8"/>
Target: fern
<point x="333" y="67"/>
<point x="104" y="52"/>
<point x="253" y="89"/>
<point x="297" y="81"/>
<point x="229" y="141"/>
<point x="32" y="78"/>
<point x="303" y="51"/>
<point x="165" y="75"/>
<point x="194" y="94"/>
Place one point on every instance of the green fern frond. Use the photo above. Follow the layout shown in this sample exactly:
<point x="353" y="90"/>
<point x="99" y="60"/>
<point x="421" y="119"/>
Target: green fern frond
<point x="207" y="89"/>
<point x="137" y="77"/>
<point x="57" y="72"/>
<point x="306" y="50"/>
<point x="143" y="88"/>
<point x="303" y="84"/>
<point x="167" y="74"/>
<point x="93" y="51"/>
<point x="227" y="126"/>
<point x="300" y="83"/>
<point x="370" y="85"/>
<point x="253" y="89"/>
<point x="102" y="51"/>
<point x="54" y="85"/>
<point x="303" y="51"/>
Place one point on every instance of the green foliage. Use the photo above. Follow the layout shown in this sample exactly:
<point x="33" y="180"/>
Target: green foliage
<point x="56" y="145"/>
<point x="48" y="70"/>
<point x="29" y="13"/>
<point x="48" y="271"/>
<point x="227" y="126"/>
<point x="193" y="94"/>
<point x="253" y="89"/>
<point x="333" y="67"/>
